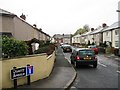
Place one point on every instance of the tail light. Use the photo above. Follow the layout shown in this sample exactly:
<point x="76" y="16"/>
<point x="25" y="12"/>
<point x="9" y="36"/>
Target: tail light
<point x="77" y="57"/>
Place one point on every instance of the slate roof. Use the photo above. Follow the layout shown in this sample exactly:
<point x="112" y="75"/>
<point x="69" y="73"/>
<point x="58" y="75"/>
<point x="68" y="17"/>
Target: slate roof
<point x="113" y="26"/>
<point x="78" y="35"/>
<point x="86" y="33"/>
<point x="4" y="12"/>
<point x="67" y="36"/>
<point x="100" y="29"/>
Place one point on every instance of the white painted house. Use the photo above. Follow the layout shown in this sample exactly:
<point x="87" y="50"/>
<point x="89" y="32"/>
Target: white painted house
<point x="96" y="35"/>
<point x="110" y="34"/>
<point x="85" y="37"/>
<point x="76" y="39"/>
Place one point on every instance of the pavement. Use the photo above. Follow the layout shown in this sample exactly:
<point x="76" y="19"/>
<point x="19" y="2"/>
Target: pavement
<point x="112" y="56"/>
<point x="62" y="76"/>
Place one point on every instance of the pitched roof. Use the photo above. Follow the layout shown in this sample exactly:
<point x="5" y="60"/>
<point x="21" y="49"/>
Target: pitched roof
<point x="78" y="35"/>
<point x="86" y="33"/>
<point x="4" y="12"/>
<point x="113" y="26"/>
<point x="67" y="36"/>
<point x="99" y="29"/>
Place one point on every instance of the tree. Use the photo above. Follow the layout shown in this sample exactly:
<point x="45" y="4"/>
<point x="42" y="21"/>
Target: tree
<point x="82" y="30"/>
<point x="86" y="27"/>
<point x="79" y="31"/>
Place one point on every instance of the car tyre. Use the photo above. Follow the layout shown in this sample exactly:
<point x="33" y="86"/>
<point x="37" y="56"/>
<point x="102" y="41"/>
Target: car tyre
<point x="76" y="64"/>
<point x="94" y="65"/>
<point x="72" y="62"/>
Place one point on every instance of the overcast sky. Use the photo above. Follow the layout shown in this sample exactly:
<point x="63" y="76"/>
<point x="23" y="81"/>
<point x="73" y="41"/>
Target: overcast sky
<point x="64" y="16"/>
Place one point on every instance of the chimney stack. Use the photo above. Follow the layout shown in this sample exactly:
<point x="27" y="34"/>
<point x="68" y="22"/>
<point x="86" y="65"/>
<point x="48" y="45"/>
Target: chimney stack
<point x="92" y="29"/>
<point x="34" y="25"/>
<point x="104" y="25"/>
<point x="23" y="16"/>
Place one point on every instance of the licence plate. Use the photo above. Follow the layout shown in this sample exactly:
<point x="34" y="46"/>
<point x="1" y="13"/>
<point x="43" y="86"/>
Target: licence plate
<point x="87" y="58"/>
<point x="67" y="49"/>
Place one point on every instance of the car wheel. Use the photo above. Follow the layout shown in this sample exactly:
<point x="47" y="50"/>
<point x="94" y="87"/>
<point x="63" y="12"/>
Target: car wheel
<point x="94" y="65"/>
<point x="72" y="62"/>
<point x="76" y="64"/>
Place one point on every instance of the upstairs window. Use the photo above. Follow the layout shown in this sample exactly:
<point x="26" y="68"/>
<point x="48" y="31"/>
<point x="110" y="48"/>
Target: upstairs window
<point x="106" y="33"/>
<point x="116" y="32"/>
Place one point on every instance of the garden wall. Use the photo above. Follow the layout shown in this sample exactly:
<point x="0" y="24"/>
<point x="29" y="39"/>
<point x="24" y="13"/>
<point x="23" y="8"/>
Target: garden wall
<point x="42" y="63"/>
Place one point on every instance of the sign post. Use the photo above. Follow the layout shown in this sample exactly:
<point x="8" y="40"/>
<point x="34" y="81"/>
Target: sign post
<point x="15" y="80"/>
<point x="29" y="71"/>
<point x="21" y="72"/>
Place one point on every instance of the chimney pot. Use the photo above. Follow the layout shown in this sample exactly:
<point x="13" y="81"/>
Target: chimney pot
<point x="23" y="16"/>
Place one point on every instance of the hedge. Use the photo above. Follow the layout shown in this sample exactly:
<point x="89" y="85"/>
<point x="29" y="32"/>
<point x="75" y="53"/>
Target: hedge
<point x="12" y="47"/>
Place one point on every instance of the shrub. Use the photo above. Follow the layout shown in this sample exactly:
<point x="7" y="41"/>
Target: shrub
<point x="12" y="47"/>
<point x="116" y="51"/>
<point x="101" y="50"/>
<point x="48" y="49"/>
<point x="44" y="49"/>
<point x="108" y="50"/>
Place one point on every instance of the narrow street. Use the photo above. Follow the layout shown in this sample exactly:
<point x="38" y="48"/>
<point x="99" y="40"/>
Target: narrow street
<point x="106" y="75"/>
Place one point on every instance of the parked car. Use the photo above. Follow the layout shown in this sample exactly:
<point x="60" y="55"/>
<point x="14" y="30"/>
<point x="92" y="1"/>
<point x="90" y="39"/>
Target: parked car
<point x="66" y="48"/>
<point x="83" y="56"/>
<point x="94" y="48"/>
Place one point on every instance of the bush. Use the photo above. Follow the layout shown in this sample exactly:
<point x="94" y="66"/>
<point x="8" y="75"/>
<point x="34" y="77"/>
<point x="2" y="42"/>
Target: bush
<point x="44" y="49"/>
<point x="12" y="47"/>
<point x="116" y="51"/>
<point x="101" y="50"/>
<point x="48" y="49"/>
<point x="108" y="50"/>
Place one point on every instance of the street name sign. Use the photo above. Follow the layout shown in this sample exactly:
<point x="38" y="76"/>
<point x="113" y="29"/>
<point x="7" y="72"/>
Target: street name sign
<point x="18" y="72"/>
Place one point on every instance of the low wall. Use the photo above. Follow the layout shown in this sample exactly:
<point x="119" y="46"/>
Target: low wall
<point x="42" y="68"/>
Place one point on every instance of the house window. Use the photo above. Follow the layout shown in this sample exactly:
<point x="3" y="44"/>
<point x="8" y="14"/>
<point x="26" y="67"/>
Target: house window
<point x="116" y="44"/>
<point x="116" y="32"/>
<point x="8" y="34"/>
<point x="106" y="33"/>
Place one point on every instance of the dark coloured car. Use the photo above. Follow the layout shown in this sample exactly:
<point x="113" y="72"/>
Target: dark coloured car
<point x="83" y="56"/>
<point x="66" y="48"/>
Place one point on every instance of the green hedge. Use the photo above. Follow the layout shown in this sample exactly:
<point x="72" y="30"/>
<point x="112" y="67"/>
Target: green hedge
<point x="12" y="47"/>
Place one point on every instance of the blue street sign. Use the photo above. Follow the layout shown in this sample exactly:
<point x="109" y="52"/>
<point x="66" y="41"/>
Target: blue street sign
<point x="29" y="70"/>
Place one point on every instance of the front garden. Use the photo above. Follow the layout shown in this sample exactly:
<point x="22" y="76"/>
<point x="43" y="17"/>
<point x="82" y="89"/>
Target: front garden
<point x="14" y="48"/>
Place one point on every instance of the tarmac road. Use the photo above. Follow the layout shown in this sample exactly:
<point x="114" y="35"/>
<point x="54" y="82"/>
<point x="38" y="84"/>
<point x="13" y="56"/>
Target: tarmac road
<point x="106" y="75"/>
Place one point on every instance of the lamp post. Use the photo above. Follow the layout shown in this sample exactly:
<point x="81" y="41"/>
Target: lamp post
<point x="119" y="24"/>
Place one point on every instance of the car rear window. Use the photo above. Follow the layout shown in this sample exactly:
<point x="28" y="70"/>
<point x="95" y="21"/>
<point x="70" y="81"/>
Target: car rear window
<point x="86" y="52"/>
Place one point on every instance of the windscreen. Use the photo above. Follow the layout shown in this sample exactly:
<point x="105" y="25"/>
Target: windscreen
<point x="86" y="53"/>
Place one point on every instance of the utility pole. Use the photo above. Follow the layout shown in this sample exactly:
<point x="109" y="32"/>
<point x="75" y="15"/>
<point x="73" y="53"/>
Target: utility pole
<point x="119" y="24"/>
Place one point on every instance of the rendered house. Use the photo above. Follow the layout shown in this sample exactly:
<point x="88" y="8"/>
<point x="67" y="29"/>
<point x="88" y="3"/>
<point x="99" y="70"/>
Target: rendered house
<point x="96" y="35"/>
<point x="67" y="38"/>
<point x="76" y="39"/>
<point x="110" y="34"/>
<point x="58" y="38"/>
<point x="18" y="28"/>
<point x="64" y="38"/>
<point x="85" y="37"/>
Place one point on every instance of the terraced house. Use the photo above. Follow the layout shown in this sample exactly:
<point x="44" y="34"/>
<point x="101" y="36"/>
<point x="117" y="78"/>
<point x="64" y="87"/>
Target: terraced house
<point x="17" y="27"/>
<point x="101" y="34"/>
<point x="111" y="35"/>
